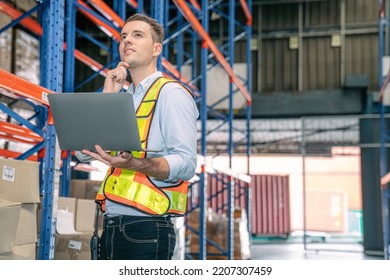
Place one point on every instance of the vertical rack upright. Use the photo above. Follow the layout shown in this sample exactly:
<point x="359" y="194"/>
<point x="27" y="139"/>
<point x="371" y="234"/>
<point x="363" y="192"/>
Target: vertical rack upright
<point x="51" y="69"/>
<point x="384" y="79"/>
<point x="194" y="15"/>
<point x="51" y="53"/>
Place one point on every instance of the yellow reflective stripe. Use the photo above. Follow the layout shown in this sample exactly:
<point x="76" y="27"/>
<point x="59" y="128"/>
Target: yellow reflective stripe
<point x="123" y="188"/>
<point x="100" y="192"/>
<point x="178" y="200"/>
<point x="143" y="129"/>
<point x="137" y="154"/>
<point x="145" y="109"/>
<point x="151" y="199"/>
<point x="136" y="192"/>
<point x="150" y="99"/>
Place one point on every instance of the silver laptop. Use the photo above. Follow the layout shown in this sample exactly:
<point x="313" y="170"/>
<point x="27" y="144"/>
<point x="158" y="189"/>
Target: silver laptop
<point x="83" y="120"/>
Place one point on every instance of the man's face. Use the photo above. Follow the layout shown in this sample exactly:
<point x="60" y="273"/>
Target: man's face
<point x="136" y="46"/>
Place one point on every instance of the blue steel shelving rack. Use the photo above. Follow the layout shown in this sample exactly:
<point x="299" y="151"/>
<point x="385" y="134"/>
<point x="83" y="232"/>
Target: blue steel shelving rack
<point x="109" y="20"/>
<point x="207" y="111"/>
<point x="384" y="79"/>
<point x="161" y="11"/>
<point x="51" y="67"/>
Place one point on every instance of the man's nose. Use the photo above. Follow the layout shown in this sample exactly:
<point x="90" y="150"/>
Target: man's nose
<point x="128" y="40"/>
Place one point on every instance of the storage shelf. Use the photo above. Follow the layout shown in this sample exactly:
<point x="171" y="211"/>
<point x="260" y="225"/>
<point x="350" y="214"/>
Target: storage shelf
<point x="58" y="75"/>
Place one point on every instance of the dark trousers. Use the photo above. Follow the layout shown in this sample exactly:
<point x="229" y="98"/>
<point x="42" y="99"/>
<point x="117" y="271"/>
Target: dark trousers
<point x="137" y="238"/>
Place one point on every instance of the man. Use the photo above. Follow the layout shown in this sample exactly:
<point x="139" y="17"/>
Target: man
<point x="143" y="190"/>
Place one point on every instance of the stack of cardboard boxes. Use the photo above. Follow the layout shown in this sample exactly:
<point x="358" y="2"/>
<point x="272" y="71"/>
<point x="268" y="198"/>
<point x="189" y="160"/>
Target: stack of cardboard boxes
<point x="217" y="235"/>
<point x="76" y="221"/>
<point x="20" y="214"/>
<point x="19" y="200"/>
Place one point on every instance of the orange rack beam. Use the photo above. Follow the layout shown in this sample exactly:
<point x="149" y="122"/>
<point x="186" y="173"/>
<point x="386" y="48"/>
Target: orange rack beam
<point x="16" y="139"/>
<point x="247" y="13"/>
<point x="18" y="133"/>
<point x="23" y="88"/>
<point x="109" y="13"/>
<point x="99" y="23"/>
<point x="191" y="18"/>
<point x="12" y="154"/>
<point x="105" y="10"/>
<point x="34" y="27"/>
<point x="14" y="14"/>
<point x="195" y="4"/>
<point x="133" y="3"/>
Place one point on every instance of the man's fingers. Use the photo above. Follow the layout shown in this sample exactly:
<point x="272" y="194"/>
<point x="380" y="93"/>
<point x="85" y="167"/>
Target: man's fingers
<point x="115" y="161"/>
<point x="119" y="74"/>
<point x="122" y="69"/>
<point x="126" y="155"/>
<point x="120" y="78"/>
<point x="95" y="156"/>
<point x="100" y="150"/>
<point x="124" y="64"/>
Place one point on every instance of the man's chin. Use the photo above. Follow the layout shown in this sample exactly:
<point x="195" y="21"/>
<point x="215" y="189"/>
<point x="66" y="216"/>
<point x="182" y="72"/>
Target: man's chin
<point x="128" y="60"/>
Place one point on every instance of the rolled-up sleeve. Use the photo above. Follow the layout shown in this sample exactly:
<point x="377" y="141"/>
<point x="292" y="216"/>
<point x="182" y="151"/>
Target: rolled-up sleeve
<point x="178" y="115"/>
<point x="83" y="157"/>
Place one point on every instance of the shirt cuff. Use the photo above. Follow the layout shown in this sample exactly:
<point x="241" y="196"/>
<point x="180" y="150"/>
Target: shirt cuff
<point x="175" y="163"/>
<point x="83" y="157"/>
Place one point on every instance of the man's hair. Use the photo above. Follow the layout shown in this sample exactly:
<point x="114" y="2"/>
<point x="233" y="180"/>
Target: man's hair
<point x="157" y="29"/>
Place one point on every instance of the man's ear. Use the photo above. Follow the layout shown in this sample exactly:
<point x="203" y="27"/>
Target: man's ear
<point x="157" y="49"/>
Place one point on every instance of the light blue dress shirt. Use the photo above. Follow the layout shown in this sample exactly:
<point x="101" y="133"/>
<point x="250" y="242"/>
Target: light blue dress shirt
<point x="172" y="131"/>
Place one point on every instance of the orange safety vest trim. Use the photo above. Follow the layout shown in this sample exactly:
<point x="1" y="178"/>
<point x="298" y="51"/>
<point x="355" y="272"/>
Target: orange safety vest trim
<point x="135" y="189"/>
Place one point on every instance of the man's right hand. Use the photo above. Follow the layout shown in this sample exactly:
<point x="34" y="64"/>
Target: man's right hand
<point x="116" y="78"/>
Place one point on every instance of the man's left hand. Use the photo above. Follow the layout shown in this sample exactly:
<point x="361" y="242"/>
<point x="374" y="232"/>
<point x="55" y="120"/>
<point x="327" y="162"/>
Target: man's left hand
<point x="122" y="160"/>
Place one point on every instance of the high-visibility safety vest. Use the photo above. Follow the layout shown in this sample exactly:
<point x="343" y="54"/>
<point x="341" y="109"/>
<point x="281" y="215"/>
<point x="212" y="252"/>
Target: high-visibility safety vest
<point x="135" y="189"/>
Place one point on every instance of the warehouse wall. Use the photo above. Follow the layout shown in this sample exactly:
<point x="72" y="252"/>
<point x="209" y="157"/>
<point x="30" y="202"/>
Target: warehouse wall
<point x="345" y="185"/>
<point x="337" y="41"/>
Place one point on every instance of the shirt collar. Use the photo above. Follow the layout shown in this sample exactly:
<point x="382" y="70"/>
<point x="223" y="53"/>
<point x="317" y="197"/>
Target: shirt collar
<point x="144" y="85"/>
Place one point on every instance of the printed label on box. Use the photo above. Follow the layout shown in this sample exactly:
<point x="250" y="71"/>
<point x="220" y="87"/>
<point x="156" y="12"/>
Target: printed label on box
<point x="76" y="245"/>
<point x="8" y="173"/>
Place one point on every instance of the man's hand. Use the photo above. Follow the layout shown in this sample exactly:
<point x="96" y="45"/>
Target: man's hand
<point x="155" y="167"/>
<point x="123" y="160"/>
<point x="116" y="78"/>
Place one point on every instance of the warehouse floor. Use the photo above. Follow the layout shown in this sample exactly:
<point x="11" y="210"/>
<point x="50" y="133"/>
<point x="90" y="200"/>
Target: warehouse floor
<point x="297" y="251"/>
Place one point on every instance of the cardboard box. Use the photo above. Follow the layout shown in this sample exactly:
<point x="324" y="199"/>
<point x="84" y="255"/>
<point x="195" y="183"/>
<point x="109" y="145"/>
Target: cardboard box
<point x="9" y="216"/>
<point x="85" y="215"/>
<point x="216" y="231"/>
<point x="77" y="188"/>
<point x="26" y="230"/>
<point x="92" y="189"/>
<point x="85" y="189"/>
<point x="72" y="247"/>
<point x="19" y="180"/>
<point x="67" y="203"/>
<point x="26" y="56"/>
<point x="39" y="218"/>
<point x="21" y="252"/>
<point x="5" y="45"/>
<point x="26" y="5"/>
<point x="179" y="252"/>
<point x="66" y="215"/>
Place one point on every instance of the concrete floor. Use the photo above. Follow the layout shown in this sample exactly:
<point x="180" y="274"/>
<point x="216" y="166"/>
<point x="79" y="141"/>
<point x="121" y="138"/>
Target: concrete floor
<point x="297" y="251"/>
